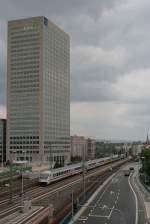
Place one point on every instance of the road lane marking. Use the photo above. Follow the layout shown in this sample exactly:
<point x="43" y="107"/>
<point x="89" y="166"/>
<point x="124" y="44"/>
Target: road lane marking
<point x="111" y="212"/>
<point x="99" y="216"/>
<point x="101" y="196"/>
<point x="136" y="201"/>
<point x="83" y="218"/>
<point x="105" y="207"/>
<point x="106" y="183"/>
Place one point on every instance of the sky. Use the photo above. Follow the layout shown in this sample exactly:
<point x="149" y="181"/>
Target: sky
<point x="110" y="62"/>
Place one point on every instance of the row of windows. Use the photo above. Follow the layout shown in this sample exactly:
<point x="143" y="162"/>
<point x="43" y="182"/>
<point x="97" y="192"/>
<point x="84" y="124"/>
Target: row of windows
<point x="25" y="90"/>
<point x="25" y="67"/>
<point x="23" y="63"/>
<point x="24" y="35"/>
<point x="28" y="39"/>
<point x="22" y="54"/>
<point x="24" y="142"/>
<point x="61" y="173"/>
<point x="25" y="47"/>
<point x="22" y="85"/>
<point x="21" y="152"/>
<point x="20" y="82"/>
<point x="24" y="58"/>
<point x="27" y="74"/>
<point x="23" y="50"/>
<point x="19" y="102"/>
<point x="24" y="137"/>
<point x="37" y="137"/>
<point x="25" y="42"/>
<point x="24" y="123"/>
<point x="25" y="132"/>
<point x="23" y="129"/>
<point x="24" y="100"/>
<point x="25" y="147"/>
<point x="56" y="142"/>
<point x="24" y="28"/>
<point x="57" y="151"/>
<point x="24" y="119"/>
<point x="32" y="73"/>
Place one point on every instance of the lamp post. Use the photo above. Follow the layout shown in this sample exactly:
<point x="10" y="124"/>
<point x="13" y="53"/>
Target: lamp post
<point x="22" y="184"/>
<point x="50" y="157"/>
<point x="83" y="170"/>
<point x="22" y="189"/>
<point x="10" y="183"/>
<point x="2" y="149"/>
<point x="72" y="208"/>
<point x="29" y="156"/>
<point x="11" y="178"/>
<point x="25" y="157"/>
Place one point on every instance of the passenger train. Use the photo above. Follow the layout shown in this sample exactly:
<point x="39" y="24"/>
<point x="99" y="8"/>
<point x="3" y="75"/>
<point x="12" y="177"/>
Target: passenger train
<point x="48" y="177"/>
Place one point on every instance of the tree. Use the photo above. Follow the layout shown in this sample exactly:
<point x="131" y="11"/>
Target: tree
<point x="145" y="157"/>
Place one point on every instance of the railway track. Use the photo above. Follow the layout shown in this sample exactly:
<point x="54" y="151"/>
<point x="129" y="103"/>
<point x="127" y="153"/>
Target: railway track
<point x="28" y="184"/>
<point x="38" y="193"/>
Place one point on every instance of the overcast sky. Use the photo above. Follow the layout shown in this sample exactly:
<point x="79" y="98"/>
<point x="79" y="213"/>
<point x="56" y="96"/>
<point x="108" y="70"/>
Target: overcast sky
<point x="110" y="62"/>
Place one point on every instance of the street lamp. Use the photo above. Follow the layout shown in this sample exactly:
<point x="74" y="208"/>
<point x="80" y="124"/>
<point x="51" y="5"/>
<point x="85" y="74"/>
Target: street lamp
<point x="22" y="185"/>
<point x="10" y="182"/>
<point x="22" y="188"/>
<point x="25" y="157"/>
<point x="83" y="170"/>
<point x="2" y="150"/>
<point x="72" y="208"/>
<point x="50" y="157"/>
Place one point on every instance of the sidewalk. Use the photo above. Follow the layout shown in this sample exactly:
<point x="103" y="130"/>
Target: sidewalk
<point x="144" y="194"/>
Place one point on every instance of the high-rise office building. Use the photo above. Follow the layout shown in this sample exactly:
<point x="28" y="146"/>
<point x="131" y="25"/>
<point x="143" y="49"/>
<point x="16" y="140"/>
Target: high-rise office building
<point x="38" y="91"/>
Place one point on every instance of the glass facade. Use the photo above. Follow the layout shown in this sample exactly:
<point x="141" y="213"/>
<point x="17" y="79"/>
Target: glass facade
<point x="38" y="99"/>
<point x="56" y="81"/>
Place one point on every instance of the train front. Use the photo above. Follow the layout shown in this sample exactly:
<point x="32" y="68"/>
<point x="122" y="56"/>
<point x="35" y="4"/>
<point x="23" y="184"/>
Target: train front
<point x="45" y="177"/>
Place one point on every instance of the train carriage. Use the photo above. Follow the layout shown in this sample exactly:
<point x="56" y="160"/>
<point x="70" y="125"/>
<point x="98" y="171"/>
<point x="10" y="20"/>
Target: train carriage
<point x="50" y="176"/>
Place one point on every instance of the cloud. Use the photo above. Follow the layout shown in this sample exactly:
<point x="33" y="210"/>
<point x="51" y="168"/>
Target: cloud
<point x="110" y="51"/>
<point x="134" y="86"/>
<point x="108" y="120"/>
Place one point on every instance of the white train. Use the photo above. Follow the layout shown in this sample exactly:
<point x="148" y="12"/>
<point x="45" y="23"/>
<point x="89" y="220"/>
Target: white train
<point x="47" y="177"/>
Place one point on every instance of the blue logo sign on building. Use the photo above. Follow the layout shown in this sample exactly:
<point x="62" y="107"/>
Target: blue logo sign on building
<point x="45" y="21"/>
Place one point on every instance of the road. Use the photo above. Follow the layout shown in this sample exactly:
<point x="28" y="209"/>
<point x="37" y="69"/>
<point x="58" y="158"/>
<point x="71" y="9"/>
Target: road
<point x="52" y="193"/>
<point x="116" y="203"/>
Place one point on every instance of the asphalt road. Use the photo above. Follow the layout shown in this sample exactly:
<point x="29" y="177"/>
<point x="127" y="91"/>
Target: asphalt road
<point x="115" y="204"/>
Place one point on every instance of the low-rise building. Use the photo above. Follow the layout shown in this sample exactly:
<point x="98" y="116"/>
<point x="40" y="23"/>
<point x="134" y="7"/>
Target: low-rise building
<point x="91" y="148"/>
<point x="78" y="146"/>
<point x="82" y="147"/>
<point x="136" y="149"/>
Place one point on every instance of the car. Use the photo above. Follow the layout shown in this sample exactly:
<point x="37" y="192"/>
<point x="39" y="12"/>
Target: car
<point x="131" y="168"/>
<point x="127" y="172"/>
